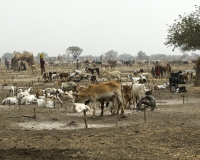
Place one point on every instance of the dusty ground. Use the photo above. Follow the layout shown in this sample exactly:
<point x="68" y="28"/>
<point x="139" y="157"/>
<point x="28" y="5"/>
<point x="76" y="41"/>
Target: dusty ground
<point x="170" y="132"/>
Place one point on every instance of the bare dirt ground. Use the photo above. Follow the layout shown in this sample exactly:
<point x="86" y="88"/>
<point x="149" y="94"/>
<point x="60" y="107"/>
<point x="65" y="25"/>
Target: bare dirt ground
<point x="171" y="131"/>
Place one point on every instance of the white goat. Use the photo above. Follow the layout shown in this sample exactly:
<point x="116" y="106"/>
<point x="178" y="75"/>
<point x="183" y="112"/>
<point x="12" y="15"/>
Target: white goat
<point x="12" y="90"/>
<point x="12" y="100"/>
<point x="46" y="103"/>
<point x="80" y="107"/>
<point x="27" y="99"/>
<point x="161" y="87"/>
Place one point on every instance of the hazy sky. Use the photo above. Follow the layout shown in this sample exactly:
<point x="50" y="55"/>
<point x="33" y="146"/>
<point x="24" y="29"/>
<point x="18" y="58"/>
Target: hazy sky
<point x="96" y="26"/>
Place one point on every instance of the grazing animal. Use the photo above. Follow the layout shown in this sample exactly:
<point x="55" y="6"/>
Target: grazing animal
<point x="92" y="70"/>
<point x="27" y="99"/>
<point x="102" y="91"/>
<point x="93" y="79"/>
<point x="68" y="86"/>
<point x="11" y="100"/>
<point x="80" y="107"/>
<point x="127" y="94"/>
<point x="180" y="89"/>
<point x="138" y="92"/>
<point x="175" y="81"/>
<point x="64" y="75"/>
<point x="12" y="90"/>
<point x="112" y="75"/>
<point x="161" y="87"/>
<point x="46" y="103"/>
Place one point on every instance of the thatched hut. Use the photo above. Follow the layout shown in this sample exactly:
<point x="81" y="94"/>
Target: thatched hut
<point x="197" y="78"/>
<point x="23" y="57"/>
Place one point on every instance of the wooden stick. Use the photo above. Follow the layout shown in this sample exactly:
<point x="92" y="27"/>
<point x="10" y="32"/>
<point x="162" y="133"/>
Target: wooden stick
<point x="145" y="114"/>
<point x="85" y="119"/>
<point x="183" y="98"/>
<point x="19" y="103"/>
<point x="9" y="103"/>
<point x="34" y="113"/>
<point x="54" y="104"/>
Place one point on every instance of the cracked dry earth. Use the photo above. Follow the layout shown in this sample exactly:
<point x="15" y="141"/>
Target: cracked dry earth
<point x="172" y="131"/>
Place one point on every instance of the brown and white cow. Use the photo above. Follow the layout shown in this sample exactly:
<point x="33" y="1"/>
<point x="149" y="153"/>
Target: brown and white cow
<point x="127" y="94"/>
<point x="102" y="91"/>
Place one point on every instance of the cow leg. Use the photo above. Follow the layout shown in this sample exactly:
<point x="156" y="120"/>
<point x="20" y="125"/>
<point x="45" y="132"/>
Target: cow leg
<point x="102" y="108"/>
<point x="94" y="108"/>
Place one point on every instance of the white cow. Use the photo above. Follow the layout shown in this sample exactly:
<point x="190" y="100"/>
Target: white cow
<point x="138" y="92"/>
<point x="111" y="75"/>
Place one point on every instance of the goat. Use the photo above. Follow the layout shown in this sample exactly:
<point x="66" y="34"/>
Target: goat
<point x="11" y="100"/>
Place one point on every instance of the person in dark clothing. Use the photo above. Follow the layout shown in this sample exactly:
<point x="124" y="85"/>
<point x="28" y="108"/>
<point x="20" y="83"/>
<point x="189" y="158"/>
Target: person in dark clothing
<point x="42" y="65"/>
<point x="151" y="101"/>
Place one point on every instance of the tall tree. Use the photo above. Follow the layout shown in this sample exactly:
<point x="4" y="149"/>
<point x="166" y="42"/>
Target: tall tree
<point x="112" y="55"/>
<point x="141" y="55"/>
<point x="74" y="51"/>
<point x="184" y="33"/>
<point x="7" y="55"/>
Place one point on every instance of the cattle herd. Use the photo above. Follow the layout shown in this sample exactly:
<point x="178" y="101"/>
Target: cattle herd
<point x="115" y="82"/>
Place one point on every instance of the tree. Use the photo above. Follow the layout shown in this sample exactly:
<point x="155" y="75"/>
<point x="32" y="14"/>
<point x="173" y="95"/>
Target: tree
<point x="59" y="57"/>
<point x="126" y="56"/>
<point x="74" y="51"/>
<point x="141" y="55"/>
<point x="45" y="55"/>
<point x="8" y="56"/>
<point x="184" y="33"/>
<point x="110" y="55"/>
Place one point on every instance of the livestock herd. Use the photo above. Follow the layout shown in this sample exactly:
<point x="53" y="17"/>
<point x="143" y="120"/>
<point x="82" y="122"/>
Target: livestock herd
<point x="107" y="86"/>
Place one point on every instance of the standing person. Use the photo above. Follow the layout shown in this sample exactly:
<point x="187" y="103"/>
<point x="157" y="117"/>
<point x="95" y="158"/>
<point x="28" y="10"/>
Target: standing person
<point x="87" y="62"/>
<point x="18" y="65"/>
<point x="27" y="60"/>
<point x="77" y="65"/>
<point x="151" y="101"/>
<point x="42" y="65"/>
<point x="6" y="63"/>
<point x="153" y="72"/>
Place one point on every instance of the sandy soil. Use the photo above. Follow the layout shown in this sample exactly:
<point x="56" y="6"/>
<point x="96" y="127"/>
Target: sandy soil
<point x="171" y="131"/>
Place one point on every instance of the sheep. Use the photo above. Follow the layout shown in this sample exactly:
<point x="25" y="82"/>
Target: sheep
<point x="25" y="92"/>
<point x="27" y="99"/>
<point x="161" y="87"/>
<point x="111" y="75"/>
<point x="46" y="103"/>
<point x="39" y="93"/>
<point x="80" y="107"/>
<point x="12" y="100"/>
<point x="68" y="86"/>
<point x="50" y="90"/>
<point x="12" y="90"/>
<point x="67" y="96"/>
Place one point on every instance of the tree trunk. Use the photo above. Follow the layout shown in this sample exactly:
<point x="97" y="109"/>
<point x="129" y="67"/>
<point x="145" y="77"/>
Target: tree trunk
<point x="197" y="78"/>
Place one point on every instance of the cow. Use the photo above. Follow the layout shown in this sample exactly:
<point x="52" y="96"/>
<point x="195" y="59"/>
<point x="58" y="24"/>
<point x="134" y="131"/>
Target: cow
<point x="138" y="92"/>
<point x="102" y="91"/>
<point x="175" y="81"/>
<point x="64" y="75"/>
<point x="92" y="70"/>
<point x="112" y="75"/>
<point x="126" y="94"/>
